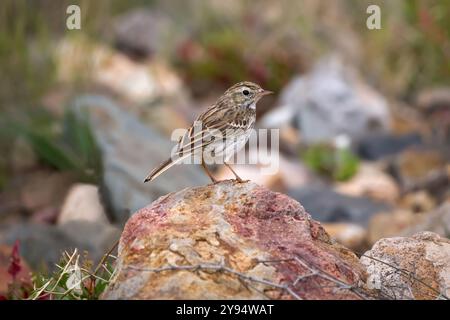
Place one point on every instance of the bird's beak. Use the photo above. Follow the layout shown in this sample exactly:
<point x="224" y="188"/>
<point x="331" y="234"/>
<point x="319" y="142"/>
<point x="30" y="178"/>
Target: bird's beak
<point x="265" y="93"/>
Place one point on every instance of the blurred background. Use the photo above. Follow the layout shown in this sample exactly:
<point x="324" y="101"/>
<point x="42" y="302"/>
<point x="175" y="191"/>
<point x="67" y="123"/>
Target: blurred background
<point x="364" y="115"/>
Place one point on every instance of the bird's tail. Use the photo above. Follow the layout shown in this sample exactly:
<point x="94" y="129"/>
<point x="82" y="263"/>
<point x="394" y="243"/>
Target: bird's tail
<point x="164" y="166"/>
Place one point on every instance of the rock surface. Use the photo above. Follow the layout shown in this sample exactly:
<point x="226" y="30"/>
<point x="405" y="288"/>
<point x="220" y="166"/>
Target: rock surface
<point x="424" y="260"/>
<point x="117" y="133"/>
<point x="231" y="241"/>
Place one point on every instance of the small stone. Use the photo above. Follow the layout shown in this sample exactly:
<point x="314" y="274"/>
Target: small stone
<point x="370" y="182"/>
<point x="82" y="203"/>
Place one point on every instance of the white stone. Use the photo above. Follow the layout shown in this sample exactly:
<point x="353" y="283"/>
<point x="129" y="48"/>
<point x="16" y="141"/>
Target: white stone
<point x="82" y="203"/>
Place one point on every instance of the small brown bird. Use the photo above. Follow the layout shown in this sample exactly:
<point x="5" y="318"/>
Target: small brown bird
<point x="220" y="131"/>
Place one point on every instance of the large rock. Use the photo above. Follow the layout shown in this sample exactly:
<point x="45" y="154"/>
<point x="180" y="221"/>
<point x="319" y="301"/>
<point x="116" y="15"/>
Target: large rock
<point x="129" y="151"/>
<point x="332" y="100"/>
<point x="327" y="205"/>
<point x="410" y="268"/>
<point x="231" y="241"/>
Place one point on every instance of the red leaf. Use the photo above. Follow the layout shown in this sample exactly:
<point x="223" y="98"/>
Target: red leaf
<point x="44" y="296"/>
<point x="15" y="266"/>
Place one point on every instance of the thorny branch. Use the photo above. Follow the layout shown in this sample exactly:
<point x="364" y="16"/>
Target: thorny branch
<point x="220" y="268"/>
<point x="69" y="265"/>
<point x="290" y="288"/>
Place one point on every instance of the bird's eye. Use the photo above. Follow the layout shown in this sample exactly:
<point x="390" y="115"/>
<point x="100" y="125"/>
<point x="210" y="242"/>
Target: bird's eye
<point x="246" y="92"/>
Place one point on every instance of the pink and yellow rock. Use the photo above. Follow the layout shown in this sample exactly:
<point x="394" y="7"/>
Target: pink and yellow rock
<point x="231" y="241"/>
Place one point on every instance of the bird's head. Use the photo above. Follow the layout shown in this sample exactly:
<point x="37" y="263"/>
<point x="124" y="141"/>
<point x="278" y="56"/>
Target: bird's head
<point x="245" y="94"/>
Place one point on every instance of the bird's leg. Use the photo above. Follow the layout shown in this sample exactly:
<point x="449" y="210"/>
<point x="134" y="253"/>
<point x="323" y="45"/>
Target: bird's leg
<point x="208" y="172"/>
<point x="235" y="174"/>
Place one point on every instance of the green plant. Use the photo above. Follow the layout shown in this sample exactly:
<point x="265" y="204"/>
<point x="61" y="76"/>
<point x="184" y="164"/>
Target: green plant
<point x="335" y="163"/>
<point x="74" y="279"/>
<point x="66" y="145"/>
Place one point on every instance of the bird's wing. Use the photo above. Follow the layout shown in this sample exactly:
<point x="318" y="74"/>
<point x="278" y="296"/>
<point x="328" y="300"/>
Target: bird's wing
<point x="208" y="126"/>
<point x="215" y="122"/>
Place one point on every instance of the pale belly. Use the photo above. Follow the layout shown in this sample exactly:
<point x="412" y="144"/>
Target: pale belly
<point x="220" y="152"/>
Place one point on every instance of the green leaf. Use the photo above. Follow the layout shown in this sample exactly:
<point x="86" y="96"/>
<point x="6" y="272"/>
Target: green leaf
<point x="51" y="152"/>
